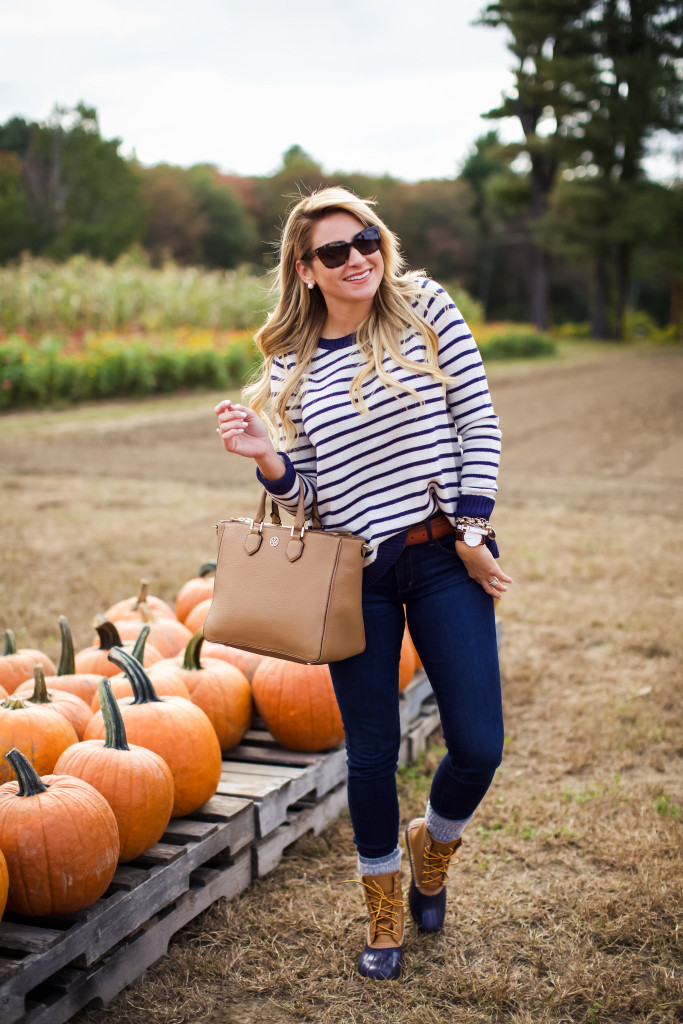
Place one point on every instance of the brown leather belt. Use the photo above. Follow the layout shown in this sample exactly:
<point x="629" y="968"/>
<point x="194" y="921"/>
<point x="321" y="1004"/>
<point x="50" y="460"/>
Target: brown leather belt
<point x="439" y="526"/>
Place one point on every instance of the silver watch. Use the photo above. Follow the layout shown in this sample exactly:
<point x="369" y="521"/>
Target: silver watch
<point x="473" y="536"/>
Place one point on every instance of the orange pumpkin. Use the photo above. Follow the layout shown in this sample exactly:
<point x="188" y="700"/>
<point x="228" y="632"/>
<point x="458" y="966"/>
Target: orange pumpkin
<point x="68" y="705"/>
<point x="95" y="659"/>
<point x="168" y="636"/>
<point x="121" y="687"/>
<point x="17" y="665"/>
<point x="298" y="705"/>
<point x="172" y="727"/>
<point x="136" y="783"/>
<point x="406" y="666"/>
<point x="246" y="661"/>
<point x="36" y="730"/>
<point x="197" y="616"/>
<point x="70" y="831"/>
<point x="139" y="607"/>
<point x="83" y="684"/>
<point x="195" y="590"/>
<point x="418" y="662"/>
<point x="4" y="883"/>
<point x="215" y="686"/>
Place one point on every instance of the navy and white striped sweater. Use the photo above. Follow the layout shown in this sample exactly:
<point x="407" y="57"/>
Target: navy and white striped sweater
<point x="380" y="473"/>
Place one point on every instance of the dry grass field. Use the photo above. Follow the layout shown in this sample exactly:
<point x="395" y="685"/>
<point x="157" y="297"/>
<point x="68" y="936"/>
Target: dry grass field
<point x="567" y="902"/>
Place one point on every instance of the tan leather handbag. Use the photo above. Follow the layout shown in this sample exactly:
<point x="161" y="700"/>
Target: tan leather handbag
<point x="289" y="592"/>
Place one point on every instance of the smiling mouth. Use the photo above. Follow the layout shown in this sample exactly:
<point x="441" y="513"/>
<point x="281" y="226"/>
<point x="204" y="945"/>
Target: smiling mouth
<point x="359" y="277"/>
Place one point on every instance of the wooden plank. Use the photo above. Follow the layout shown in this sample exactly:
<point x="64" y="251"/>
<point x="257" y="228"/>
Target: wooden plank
<point x="69" y="991"/>
<point x="269" y="755"/>
<point x="19" y="937"/>
<point x="219" y="808"/>
<point x="273" y="794"/>
<point x="247" y="768"/>
<point x="180" y="829"/>
<point x="427" y="724"/>
<point x="256" y="787"/>
<point x="413" y="697"/>
<point x="268" y="852"/>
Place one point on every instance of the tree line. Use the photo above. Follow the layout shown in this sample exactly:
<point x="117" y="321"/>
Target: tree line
<point x="562" y="226"/>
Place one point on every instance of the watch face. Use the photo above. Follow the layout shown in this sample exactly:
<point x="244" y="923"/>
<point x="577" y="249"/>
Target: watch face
<point x="473" y="540"/>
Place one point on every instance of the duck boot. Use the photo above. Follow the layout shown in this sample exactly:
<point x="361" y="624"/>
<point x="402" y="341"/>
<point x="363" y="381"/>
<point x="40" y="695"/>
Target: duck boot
<point x="381" y="957"/>
<point x="429" y="863"/>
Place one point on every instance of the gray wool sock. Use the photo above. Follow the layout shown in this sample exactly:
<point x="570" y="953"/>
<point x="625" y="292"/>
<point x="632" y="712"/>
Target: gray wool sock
<point x="380" y="865"/>
<point x="444" y="830"/>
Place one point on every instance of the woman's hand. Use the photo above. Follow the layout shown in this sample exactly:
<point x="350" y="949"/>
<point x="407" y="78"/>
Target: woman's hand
<point x="244" y="433"/>
<point x="482" y="567"/>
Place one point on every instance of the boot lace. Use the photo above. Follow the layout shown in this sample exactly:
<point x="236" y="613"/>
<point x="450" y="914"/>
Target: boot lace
<point x="383" y="908"/>
<point x="436" y="865"/>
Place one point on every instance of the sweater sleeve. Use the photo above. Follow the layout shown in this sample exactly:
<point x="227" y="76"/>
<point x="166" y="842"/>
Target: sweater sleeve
<point x="300" y="460"/>
<point x="469" y="402"/>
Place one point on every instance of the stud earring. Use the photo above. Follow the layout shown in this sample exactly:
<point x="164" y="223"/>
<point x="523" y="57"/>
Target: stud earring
<point x="311" y="285"/>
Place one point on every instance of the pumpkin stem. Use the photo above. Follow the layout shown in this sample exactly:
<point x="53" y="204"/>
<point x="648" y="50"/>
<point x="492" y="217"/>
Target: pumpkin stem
<point x="192" y="651"/>
<point x="139" y="648"/>
<point x="142" y="595"/>
<point x="114" y="729"/>
<point x="14" y="703"/>
<point x="146" y="613"/>
<point x="10" y="643"/>
<point x="139" y="680"/>
<point x="67" y="662"/>
<point x="108" y="633"/>
<point x="40" y="694"/>
<point x="208" y="569"/>
<point x="30" y="782"/>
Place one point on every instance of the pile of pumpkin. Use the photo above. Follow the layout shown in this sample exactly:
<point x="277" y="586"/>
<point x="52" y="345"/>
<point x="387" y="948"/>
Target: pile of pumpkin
<point x="99" y="753"/>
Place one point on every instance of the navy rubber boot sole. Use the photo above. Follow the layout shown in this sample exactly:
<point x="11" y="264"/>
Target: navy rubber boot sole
<point x="428" y="912"/>
<point x="381" y="964"/>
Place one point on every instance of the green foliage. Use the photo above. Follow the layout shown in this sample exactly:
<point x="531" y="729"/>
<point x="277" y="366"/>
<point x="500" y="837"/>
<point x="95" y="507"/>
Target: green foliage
<point x="17" y="230"/>
<point x="665" y="808"/>
<point x="81" y="194"/>
<point x="472" y="311"/>
<point x="572" y="330"/>
<point x="39" y="296"/>
<point x="517" y="345"/>
<point x="58" y="371"/>
<point x="229" y="236"/>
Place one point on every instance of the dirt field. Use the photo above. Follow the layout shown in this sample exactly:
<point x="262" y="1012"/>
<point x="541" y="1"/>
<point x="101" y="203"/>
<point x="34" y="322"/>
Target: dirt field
<point x="565" y="905"/>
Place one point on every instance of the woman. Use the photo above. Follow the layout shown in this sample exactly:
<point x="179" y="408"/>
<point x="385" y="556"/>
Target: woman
<point x="381" y="407"/>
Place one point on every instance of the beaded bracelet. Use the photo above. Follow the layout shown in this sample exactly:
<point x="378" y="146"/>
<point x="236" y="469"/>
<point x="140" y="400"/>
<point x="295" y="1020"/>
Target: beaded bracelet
<point x="479" y="521"/>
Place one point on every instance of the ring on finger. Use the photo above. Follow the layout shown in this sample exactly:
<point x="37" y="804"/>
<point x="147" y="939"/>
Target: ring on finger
<point x="494" y="582"/>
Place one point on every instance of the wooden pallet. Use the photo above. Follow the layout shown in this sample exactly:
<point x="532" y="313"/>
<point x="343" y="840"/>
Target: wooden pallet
<point x="276" y="779"/>
<point x="267" y="798"/>
<point x="164" y="881"/>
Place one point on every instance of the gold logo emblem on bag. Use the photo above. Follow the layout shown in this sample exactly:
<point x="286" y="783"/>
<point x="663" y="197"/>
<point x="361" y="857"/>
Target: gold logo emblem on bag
<point x="274" y="541"/>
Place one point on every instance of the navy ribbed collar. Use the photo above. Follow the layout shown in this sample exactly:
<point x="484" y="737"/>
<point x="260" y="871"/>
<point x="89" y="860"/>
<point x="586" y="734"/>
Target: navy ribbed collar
<point x="333" y="343"/>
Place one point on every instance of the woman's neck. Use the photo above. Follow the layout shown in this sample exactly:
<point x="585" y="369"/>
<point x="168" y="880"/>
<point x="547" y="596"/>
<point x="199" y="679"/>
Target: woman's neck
<point x="343" y="320"/>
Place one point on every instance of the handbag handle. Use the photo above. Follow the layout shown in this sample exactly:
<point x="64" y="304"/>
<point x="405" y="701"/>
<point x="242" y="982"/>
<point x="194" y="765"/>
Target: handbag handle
<point x="295" y="547"/>
<point x="275" y="510"/>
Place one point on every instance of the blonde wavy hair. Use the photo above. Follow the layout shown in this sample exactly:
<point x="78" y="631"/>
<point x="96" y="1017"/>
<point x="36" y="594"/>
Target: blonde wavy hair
<point x="296" y="324"/>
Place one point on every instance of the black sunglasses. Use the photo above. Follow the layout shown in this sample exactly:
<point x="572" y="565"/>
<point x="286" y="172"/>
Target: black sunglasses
<point x="335" y="254"/>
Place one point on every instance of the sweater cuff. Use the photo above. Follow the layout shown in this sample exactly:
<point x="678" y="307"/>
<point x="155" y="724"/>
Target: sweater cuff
<point x="478" y="506"/>
<point x="475" y="505"/>
<point x="285" y="483"/>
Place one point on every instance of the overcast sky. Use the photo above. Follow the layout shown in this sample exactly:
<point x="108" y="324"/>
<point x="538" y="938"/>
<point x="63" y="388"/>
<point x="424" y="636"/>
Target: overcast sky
<point x="393" y="86"/>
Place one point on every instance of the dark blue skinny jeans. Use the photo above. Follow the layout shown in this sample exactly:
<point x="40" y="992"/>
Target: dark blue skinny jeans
<point x="451" y="621"/>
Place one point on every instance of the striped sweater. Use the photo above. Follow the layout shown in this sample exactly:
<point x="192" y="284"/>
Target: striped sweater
<point x="378" y="474"/>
